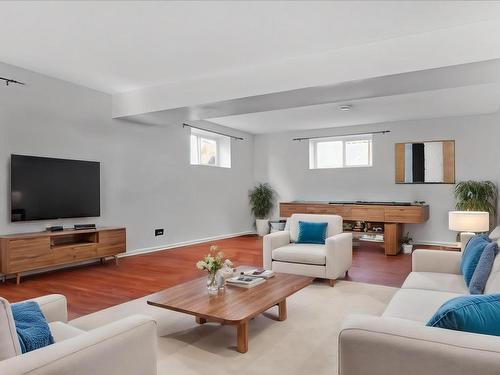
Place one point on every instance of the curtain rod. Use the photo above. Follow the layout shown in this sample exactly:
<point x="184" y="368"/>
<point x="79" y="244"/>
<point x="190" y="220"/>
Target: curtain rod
<point x="213" y="131"/>
<point x="9" y="80"/>
<point x="341" y="135"/>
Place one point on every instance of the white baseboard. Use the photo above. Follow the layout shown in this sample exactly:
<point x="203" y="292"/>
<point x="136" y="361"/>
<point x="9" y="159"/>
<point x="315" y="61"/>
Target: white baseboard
<point x="437" y="243"/>
<point x="184" y="243"/>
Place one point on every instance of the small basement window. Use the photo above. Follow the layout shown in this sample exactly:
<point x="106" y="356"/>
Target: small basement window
<point x="340" y="152"/>
<point x="210" y="149"/>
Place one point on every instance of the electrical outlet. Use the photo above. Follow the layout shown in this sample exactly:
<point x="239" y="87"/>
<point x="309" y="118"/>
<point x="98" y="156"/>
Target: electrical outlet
<point x="159" y="232"/>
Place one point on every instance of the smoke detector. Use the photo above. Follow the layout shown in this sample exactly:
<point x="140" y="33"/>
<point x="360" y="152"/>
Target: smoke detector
<point x="345" y="107"/>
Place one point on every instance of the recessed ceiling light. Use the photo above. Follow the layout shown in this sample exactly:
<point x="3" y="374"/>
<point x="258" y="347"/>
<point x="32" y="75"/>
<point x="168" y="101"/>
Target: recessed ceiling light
<point x="345" y="107"/>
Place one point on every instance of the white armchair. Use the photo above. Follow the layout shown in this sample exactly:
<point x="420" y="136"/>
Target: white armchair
<point x="329" y="261"/>
<point x="127" y="346"/>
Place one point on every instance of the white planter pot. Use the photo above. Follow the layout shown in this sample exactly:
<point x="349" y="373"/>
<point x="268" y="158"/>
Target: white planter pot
<point x="407" y="248"/>
<point x="262" y="226"/>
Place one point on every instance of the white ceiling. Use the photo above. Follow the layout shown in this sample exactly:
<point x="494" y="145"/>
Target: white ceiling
<point x="120" y="46"/>
<point x="468" y="100"/>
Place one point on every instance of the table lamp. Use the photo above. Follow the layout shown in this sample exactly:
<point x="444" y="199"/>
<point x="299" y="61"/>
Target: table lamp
<point x="468" y="223"/>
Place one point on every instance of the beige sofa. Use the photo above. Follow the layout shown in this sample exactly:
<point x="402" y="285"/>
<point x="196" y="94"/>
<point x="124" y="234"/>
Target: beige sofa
<point x="329" y="261"/>
<point x="398" y="342"/>
<point x="127" y="346"/>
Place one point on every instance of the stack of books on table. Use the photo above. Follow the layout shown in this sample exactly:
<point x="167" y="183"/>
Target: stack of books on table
<point x="263" y="274"/>
<point x="251" y="278"/>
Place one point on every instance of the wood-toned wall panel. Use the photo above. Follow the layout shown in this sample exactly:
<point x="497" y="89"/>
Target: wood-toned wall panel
<point x="449" y="162"/>
<point x="400" y="162"/>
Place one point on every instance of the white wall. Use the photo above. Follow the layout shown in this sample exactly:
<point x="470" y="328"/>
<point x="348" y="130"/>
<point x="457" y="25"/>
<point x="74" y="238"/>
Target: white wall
<point x="284" y="164"/>
<point x="147" y="181"/>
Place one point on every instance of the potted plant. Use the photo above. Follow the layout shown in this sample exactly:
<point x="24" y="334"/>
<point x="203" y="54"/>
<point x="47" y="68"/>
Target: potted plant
<point x="261" y="203"/>
<point x="406" y="242"/>
<point x="477" y="196"/>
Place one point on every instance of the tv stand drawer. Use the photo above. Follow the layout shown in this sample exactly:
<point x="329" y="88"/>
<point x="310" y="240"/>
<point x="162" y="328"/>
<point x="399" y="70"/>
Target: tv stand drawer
<point x="75" y="253"/>
<point x="27" y="254"/>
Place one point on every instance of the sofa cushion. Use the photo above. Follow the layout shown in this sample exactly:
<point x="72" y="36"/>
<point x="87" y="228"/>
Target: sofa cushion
<point x="443" y="282"/>
<point x="495" y="234"/>
<point x="62" y="331"/>
<point x="493" y="283"/>
<point x="9" y="342"/>
<point x="301" y="253"/>
<point x="472" y="253"/>
<point x="32" y="327"/>
<point x="334" y="224"/>
<point x="483" y="269"/>
<point x="416" y="304"/>
<point x="476" y="314"/>
<point x="310" y="232"/>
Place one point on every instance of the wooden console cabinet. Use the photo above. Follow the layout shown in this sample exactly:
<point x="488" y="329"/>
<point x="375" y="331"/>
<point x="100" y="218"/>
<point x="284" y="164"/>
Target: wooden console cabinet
<point x="32" y="251"/>
<point x="393" y="217"/>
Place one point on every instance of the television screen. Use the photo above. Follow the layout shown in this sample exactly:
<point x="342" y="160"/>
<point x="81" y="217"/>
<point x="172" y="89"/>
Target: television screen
<point x="48" y="188"/>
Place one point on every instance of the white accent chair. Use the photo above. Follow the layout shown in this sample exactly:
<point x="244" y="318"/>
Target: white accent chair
<point x="329" y="261"/>
<point x="125" y="347"/>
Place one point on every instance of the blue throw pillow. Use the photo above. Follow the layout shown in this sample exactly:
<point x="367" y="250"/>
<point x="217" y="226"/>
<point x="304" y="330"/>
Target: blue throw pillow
<point x="310" y="232"/>
<point x="483" y="269"/>
<point x="471" y="255"/>
<point x="32" y="328"/>
<point x="476" y="314"/>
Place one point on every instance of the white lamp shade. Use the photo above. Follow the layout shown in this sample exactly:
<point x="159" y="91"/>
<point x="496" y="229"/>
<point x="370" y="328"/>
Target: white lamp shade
<point x="469" y="221"/>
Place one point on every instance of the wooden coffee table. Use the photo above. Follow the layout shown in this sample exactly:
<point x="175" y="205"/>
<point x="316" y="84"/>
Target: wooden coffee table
<point x="235" y="306"/>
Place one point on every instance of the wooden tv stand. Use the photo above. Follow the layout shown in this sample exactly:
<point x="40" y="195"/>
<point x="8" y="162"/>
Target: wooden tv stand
<point x="391" y="216"/>
<point x="33" y="251"/>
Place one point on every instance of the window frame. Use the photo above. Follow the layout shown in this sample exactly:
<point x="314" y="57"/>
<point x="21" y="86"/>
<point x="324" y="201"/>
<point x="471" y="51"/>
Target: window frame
<point x="200" y="135"/>
<point x="313" y="150"/>
<point x="199" y="139"/>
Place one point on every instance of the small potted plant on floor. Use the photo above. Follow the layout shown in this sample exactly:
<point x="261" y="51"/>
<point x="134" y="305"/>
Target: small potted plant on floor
<point x="406" y="242"/>
<point x="261" y="203"/>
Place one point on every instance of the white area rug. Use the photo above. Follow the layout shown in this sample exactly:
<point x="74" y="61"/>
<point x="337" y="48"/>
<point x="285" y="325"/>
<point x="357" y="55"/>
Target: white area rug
<point x="306" y="343"/>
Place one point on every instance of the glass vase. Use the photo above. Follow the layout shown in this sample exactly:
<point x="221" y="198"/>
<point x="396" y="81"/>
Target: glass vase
<point x="212" y="287"/>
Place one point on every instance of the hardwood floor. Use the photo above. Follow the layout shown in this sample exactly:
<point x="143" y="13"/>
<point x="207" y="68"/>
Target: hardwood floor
<point x="371" y="265"/>
<point x="94" y="287"/>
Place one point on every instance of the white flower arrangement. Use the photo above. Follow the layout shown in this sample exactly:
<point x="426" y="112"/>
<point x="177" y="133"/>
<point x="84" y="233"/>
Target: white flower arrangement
<point x="213" y="261"/>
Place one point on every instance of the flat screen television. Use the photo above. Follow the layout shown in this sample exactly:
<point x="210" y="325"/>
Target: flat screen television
<point x="48" y="188"/>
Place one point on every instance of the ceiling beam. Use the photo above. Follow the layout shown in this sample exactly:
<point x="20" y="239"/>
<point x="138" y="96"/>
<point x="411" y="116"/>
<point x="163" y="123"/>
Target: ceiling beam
<point x="334" y="73"/>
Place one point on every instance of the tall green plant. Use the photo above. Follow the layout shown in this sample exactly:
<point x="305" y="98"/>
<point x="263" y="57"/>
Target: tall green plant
<point x="261" y="200"/>
<point x="476" y="196"/>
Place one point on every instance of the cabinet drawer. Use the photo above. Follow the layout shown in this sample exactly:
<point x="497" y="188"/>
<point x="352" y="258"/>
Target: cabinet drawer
<point x="343" y="211"/>
<point x="112" y="237"/>
<point x="68" y="254"/>
<point x="318" y="209"/>
<point x="410" y="215"/>
<point x="111" y="242"/>
<point x="367" y="214"/>
<point x="327" y="209"/>
<point x="106" y="250"/>
<point x="28" y="248"/>
<point x="287" y="210"/>
<point x="26" y="254"/>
